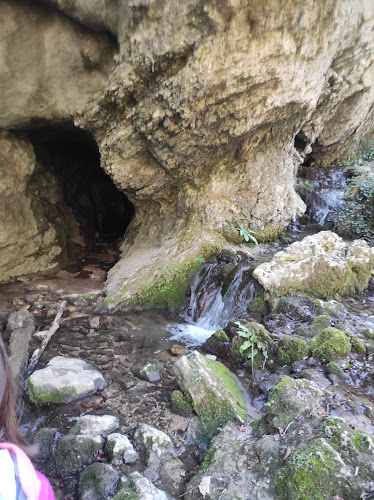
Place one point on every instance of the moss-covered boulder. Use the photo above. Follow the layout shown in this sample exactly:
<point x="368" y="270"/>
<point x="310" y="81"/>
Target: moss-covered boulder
<point x="239" y="355"/>
<point x="322" y="264"/>
<point x="63" y="380"/>
<point x="330" y="345"/>
<point x="356" y="345"/>
<point x="214" y="391"/>
<point x="218" y="343"/>
<point x="317" y="326"/>
<point x="335" y="369"/>
<point x="290" y="398"/>
<point x="98" y="481"/>
<point x="291" y="349"/>
<point x="75" y="452"/>
<point x="180" y="404"/>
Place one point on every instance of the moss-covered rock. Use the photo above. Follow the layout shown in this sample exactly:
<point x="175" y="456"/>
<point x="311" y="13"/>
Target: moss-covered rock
<point x="261" y="427"/>
<point x="330" y="307"/>
<point x="214" y="391"/>
<point x="98" y="481"/>
<point x="330" y="345"/>
<point x="75" y="452"/>
<point x="368" y="333"/>
<point x="290" y="398"/>
<point x="335" y="369"/>
<point x="245" y="357"/>
<point x="258" y="305"/>
<point x="291" y="349"/>
<point x="217" y="343"/>
<point x="357" y="346"/>
<point x="180" y="404"/>
<point x="315" y="472"/>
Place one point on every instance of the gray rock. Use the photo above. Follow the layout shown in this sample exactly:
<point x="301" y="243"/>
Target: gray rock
<point x="151" y="372"/>
<point x="63" y="380"/>
<point x="90" y="425"/>
<point x="146" y="490"/>
<point x="119" y="449"/>
<point x="45" y="438"/>
<point x="41" y="335"/>
<point x="153" y="439"/>
<point x="21" y="325"/>
<point x="98" y="481"/>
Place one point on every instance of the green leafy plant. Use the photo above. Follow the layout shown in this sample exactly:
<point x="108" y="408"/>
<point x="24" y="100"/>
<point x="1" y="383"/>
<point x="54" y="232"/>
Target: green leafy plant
<point x="245" y="233"/>
<point x="252" y="345"/>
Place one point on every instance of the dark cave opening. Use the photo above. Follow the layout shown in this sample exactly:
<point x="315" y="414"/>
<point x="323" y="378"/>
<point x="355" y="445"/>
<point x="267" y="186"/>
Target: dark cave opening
<point x="72" y="155"/>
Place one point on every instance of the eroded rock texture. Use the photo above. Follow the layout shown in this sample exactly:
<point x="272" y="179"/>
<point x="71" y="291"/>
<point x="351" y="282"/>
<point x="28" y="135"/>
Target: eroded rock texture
<point x="201" y="111"/>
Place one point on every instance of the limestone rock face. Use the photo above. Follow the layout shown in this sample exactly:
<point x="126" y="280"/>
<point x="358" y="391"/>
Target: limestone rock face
<point x="201" y="112"/>
<point x="322" y="263"/>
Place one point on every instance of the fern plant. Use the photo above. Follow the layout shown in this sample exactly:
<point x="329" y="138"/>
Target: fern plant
<point x="245" y="233"/>
<point x="252" y="345"/>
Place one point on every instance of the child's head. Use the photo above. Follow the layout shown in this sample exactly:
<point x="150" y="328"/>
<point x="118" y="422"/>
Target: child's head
<point x="8" y="402"/>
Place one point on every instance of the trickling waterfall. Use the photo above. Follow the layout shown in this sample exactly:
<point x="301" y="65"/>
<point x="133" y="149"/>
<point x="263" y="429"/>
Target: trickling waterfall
<point x="322" y="190"/>
<point x="216" y="298"/>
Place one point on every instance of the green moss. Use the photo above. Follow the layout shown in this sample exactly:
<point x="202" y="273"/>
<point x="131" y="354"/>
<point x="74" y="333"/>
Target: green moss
<point x="291" y="349"/>
<point x="330" y="345"/>
<point x="313" y="471"/>
<point x="319" y="324"/>
<point x="207" y="459"/>
<point x="127" y="494"/>
<point x="40" y="396"/>
<point x="260" y="427"/>
<point x="335" y="369"/>
<point x="357" y="345"/>
<point x="363" y="442"/>
<point x="269" y="233"/>
<point x="180" y="404"/>
<point x="165" y="287"/>
<point x="74" y="452"/>
<point x="330" y="308"/>
<point x="258" y="305"/>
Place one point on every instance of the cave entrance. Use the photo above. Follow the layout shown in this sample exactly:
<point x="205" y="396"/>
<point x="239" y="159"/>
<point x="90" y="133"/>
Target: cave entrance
<point x="72" y="154"/>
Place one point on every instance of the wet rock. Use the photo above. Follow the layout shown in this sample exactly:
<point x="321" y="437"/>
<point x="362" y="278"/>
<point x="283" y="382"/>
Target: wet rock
<point x="119" y="449"/>
<point x="239" y="355"/>
<point x="323" y="264"/>
<point x="20" y="326"/>
<point x="330" y="345"/>
<point x="76" y="451"/>
<point x="150" y="372"/>
<point x="140" y="488"/>
<point x="335" y="369"/>
<point x="20" y="320"/>
<point x="98" y="481"/>
<point x="63" y="380"/>
<point x="180" y="404"/>
<point x="84" y="299"/>
<point x="215" y="391"/>
<point x="171" y="475"/>
<point x="90" y="425"/>
<point x="290" y="398"/>
<point x="298" y="307"/>
<point x="291" y="349"/>
<point x="217" y="343"/>
<point x="330" y="308"/>
<point x="45" y="438"/>
<point x="315" y="376"/>
<point x="153" y="439"/>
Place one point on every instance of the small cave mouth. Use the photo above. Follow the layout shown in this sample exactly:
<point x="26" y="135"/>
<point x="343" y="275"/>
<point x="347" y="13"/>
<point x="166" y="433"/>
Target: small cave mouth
<point x="72" y="155"/>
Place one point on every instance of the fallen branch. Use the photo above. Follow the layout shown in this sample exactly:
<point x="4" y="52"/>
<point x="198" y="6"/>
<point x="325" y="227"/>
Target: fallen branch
<point x="39" y="351"/>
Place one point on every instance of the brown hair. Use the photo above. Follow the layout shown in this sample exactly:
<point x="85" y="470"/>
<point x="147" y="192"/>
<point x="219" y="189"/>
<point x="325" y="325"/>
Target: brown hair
<point x="8" y="403"/>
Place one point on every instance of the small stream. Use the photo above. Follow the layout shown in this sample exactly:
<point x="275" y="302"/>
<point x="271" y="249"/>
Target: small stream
<point x="220" y="291"/>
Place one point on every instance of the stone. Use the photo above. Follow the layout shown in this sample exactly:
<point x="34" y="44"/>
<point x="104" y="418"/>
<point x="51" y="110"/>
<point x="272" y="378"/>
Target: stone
<point x="150" y="372"/>
<point x="335" y="369"/>
<point x="45" y="438"/>
<point x="153" y="439"/>
<point x="41" y="335"/>
<point x="90" y="425"/>
<point x="141" y="489"/>
<point x="322" y="264"/>
<point x="330" y="345"/>
<point x="20" y="325"/>
<point x="180" y="404"/>
<point x="217" y="343"/>
<point x="95" y="322"/>
<point x="98" y="481"/>
<point x="76" y="451"/>
<point x="20" y="320"/>
<point x="330" y="307"/>
<point x="291" y="349"/>
<point x="215" y="392"/>
<point x="119" y="449"/>
<point x="178" y="350"/>
<point x="63" y="380"/>
<point x="245" y="357"/>
<point x="290" y="398"/>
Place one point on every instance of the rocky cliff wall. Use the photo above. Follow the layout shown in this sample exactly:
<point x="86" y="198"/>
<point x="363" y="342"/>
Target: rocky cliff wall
<point x="201" y="110"/>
